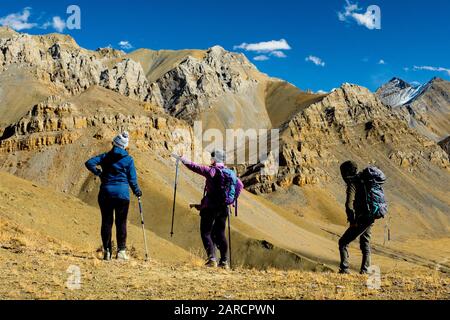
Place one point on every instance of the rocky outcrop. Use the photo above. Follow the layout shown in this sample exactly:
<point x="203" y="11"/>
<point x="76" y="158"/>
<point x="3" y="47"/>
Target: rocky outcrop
<point x="350" y="120"/>
<point x="194" y="84"/>
<point x="58" y="59"/>
<point x="445" y="144"/>
<point x="187" y="89"/>
<point x="57" y="122"/>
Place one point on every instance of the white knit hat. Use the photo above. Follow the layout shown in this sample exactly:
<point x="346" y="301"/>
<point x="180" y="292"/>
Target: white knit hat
<point x="121" y="140"/>
<point x="218" y="156"/>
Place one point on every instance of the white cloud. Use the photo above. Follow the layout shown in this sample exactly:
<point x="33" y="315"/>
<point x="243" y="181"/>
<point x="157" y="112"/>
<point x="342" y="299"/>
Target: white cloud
<point x="18" y="21"/>
<point x="348" y="11"/>
<point x="352" y="13"/>
<point x="435" y="69"/>
<point x="321" y="92"/>
<point x="316" y="60"/>
<point x="261" y="58"/>
<point x="278" y="54"/>
<point x="406" y="69"/>
<point x="58" y="24"/>
<point x="21" y="21"/>
<point x="381" y="62"/>
<point x="265" y="47"/>
<point x="125" y="45"/>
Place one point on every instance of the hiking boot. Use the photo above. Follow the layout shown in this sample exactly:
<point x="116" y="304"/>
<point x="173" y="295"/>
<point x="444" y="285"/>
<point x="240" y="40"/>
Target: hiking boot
<point x="346" y="271"/>
<point x="122" y="255"/>
<point x="364" y="272"/>
<point x="224" y="265"/>
<point x="107" y="255"/>
<point x="211" y="263"/>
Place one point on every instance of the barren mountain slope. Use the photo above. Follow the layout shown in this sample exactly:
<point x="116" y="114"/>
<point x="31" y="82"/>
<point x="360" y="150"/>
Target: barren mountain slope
<point x="39" y="243"/>
<point x="432" y="108"/>
<point x="48" y="214"/>
<point x="283" y="101"/>
<point x="221" y="88"/>
<point x="157" y="63"/>
<point x="19" y="88"/>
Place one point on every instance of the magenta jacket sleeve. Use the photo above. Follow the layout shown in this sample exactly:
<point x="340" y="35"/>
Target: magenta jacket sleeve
<point x="205" y="171"/>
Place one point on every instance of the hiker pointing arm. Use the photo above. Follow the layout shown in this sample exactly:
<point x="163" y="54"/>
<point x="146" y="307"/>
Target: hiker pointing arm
<point x="214" y="209"/>
<point x="205" y="171"/>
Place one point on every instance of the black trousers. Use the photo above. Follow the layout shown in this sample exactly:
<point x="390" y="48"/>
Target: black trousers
<point x="109" y="207"/>
<point x="363" y="230"/>
<point x="212" y="228"/>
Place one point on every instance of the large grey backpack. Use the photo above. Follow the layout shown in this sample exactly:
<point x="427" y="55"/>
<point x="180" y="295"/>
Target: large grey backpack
<point x="374" y="179"/>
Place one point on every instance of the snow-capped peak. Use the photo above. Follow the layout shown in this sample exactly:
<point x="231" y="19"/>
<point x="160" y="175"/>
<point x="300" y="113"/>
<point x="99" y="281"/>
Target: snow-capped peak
<point x="398" y="92"/>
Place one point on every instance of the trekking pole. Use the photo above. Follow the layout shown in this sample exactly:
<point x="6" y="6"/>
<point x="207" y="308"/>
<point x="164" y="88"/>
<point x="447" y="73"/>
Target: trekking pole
<point x="174" y="196"/>
<point x="229" y="236"/>
<point x="143" y="229"/>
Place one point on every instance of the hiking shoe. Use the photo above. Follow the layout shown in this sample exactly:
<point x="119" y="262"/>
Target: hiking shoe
<point x="346" y="271"/>
<point x="122" y="255"/>
<point x="107" y="255"/>
<point x="224" y="265"/>
<point x="211" y="264"/>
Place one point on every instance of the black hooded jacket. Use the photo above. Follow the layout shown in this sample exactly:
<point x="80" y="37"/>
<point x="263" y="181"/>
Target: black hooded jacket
<point x="356" y="204"/>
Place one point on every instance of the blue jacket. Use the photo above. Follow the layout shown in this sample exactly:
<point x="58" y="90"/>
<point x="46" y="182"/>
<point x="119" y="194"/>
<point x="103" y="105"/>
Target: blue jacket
<point x="117" y="173"/>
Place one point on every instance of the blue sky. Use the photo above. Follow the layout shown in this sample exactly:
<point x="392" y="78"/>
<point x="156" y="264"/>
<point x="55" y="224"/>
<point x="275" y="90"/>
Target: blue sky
<point x="307" y="43"/>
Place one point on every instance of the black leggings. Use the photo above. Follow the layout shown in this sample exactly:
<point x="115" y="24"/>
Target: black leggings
<point x="212" y="228"/>
<point x="108" y="207"/>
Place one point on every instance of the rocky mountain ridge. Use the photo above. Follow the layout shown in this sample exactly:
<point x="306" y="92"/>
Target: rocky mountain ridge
<point x="350" y="118"/>
<point x="426" y="108"/>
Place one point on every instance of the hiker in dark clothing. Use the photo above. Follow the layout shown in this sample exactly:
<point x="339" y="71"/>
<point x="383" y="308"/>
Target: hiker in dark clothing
<point x="117" y="174"/>
<point x="214" y="214"/>
<point x="358" y="217"/>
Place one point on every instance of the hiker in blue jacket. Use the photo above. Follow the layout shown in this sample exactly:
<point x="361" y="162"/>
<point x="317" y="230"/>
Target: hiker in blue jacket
<point x="117" y="173"/>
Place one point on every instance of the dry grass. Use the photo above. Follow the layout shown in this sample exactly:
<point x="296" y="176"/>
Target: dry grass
<point x="30" y="273"/>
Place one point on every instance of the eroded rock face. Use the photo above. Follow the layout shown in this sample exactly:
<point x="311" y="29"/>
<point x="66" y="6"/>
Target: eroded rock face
<point x="348" y="121"/>
<point x="193" y="85"/>
<point x="59" y="59"/>
<point x="189" y="88"/>
<point x="57" y="122"/>
<point x="445" y="144"/>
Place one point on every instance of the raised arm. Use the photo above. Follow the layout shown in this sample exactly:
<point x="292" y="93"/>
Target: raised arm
<point x="205" y="171"/>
